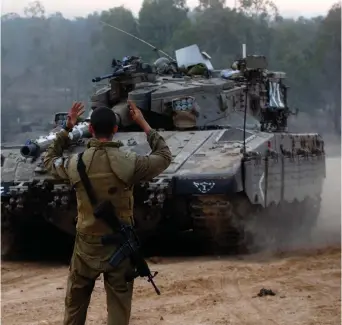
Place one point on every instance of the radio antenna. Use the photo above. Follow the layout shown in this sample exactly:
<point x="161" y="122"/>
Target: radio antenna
<point x="137" y="38"/>
<point x="244" y="54"/>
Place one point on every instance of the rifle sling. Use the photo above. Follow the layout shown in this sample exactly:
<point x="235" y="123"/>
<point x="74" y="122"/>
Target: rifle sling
<point x="81" y="168"/>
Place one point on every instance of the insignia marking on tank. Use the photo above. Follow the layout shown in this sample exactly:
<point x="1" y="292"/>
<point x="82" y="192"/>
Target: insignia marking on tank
<point x="204" y="187"/>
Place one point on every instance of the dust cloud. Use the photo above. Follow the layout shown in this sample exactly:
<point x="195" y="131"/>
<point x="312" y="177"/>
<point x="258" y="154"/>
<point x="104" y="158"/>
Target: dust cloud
<point x="328" y="228"/>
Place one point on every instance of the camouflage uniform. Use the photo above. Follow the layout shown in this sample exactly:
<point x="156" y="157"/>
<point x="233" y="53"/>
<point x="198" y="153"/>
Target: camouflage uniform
<point x="112" y="173"/>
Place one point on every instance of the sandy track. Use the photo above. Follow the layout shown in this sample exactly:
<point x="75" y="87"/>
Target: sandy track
<point x="194" y="291"/>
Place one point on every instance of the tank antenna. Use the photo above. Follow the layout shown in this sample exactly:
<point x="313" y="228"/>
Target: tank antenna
<point x="246" y="98"/>
<point x="139" y="39"/>
<point x="244" y="119"/>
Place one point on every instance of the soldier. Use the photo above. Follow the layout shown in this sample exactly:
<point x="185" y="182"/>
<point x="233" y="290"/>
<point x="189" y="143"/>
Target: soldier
<point x="112" y="173"/>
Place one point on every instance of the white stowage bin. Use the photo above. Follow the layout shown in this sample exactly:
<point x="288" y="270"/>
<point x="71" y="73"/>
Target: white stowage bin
<point x="191" y="55"/>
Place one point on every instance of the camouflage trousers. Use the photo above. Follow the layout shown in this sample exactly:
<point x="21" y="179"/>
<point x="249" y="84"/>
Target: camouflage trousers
<point x="89" y="260"/>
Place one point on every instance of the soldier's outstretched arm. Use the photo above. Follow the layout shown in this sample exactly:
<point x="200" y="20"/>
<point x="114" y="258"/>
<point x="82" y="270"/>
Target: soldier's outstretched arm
<point x="54" y="162"/>
<point x="148" y="167"/>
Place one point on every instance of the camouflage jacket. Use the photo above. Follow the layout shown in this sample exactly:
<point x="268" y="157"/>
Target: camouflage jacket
<point x="112" y="173"/>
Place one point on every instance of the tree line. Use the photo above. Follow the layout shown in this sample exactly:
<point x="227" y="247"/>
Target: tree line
<point x="48" y="60"/>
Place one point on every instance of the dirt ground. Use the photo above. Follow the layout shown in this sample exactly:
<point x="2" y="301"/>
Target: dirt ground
<point x="206" y="291"/>
<point x="194" y="291"/>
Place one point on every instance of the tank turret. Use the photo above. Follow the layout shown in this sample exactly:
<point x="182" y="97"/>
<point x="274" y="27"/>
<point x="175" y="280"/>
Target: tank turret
<point x="125" y="76"/>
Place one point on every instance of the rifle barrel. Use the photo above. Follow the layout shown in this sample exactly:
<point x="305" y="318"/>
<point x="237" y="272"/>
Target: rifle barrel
<point x="150" y="279"/>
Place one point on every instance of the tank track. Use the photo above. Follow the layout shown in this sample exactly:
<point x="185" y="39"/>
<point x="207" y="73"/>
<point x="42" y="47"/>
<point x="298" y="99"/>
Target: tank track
<point x="7" y="235"/>
<point x="233" y="225"/>
<point x="24" y="233"/>
<point x="220" y="223"/>
<point x="216" y="223"/>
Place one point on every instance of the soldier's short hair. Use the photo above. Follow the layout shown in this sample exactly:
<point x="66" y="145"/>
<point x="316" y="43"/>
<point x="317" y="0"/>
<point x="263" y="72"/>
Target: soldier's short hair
<point x="103" y="121"/>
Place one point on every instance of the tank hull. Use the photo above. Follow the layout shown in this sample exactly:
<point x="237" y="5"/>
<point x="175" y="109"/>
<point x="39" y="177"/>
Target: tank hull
<point x="225" y="197"/>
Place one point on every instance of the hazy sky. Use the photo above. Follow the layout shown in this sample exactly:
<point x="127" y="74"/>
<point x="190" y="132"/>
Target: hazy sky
<point x="71" y="8"/>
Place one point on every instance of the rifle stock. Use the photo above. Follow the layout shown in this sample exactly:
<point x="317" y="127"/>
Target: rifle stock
<point x="130" y="246"/>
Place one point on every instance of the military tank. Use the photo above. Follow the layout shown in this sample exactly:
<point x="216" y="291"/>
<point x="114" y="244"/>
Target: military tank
<point x="236" y="170"/>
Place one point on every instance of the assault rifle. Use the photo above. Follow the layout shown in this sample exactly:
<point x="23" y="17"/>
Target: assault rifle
<point x="130" y="245"/>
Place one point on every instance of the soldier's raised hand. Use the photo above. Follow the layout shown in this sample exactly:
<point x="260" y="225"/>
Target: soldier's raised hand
<point x="76" y="110"/>
<point x="138" y="117"/>
<point x="135" y="113"/>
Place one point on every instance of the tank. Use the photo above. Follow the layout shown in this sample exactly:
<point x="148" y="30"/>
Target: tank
<point x="236" y="173"/>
